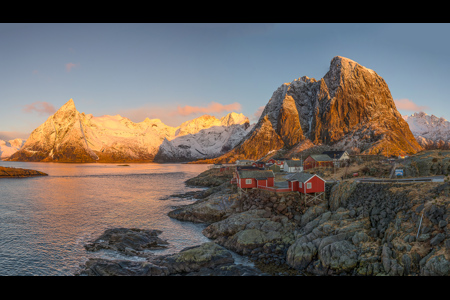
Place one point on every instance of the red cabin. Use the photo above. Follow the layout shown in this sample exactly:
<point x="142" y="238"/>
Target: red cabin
<point x="317" y="160"/>
<point x="306" y="183"/>
<point x="253" y="178"/>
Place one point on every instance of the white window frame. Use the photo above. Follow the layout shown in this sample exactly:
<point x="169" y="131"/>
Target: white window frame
<point x="300" y="184"/>
<point x="309" y="185"/>
<point x="248" y="181"/>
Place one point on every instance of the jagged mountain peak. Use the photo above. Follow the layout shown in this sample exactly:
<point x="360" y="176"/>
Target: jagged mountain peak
<point x="69" y="105"/>
<point x="350" y="108"/>
<point x="234" y="118"/>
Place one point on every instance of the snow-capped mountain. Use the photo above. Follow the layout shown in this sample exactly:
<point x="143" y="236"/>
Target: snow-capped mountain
<point x="350" y="108"/>
<point x="204" y="137"/>
<point x="430" y="132"/>
<point x="70" y="136"/>
<point x="8" y="148"/>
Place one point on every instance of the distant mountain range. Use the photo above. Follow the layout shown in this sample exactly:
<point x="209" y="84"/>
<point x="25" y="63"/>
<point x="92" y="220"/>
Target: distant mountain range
<point x="70" y="136"/>
<point x="430" y="132"/>
<point x="350" y="108"/>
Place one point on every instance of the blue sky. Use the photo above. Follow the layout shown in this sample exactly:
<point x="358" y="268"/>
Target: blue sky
<point x="176" y="72"/>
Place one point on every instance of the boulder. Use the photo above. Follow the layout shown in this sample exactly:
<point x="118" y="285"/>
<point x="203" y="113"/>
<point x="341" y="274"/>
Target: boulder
<point x="128" y="241"/>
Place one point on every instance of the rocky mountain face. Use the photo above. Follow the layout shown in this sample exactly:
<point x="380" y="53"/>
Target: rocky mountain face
<point x="70" y="136"/>
<point x="350" y="108"/>
<point x="430" y="132"/>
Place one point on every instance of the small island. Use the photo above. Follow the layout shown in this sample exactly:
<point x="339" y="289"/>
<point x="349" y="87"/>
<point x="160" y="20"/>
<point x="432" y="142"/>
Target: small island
<point x="7" y="172"/>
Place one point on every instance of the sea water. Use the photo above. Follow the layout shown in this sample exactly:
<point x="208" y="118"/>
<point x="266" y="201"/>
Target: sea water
<point x="46" y="221"/>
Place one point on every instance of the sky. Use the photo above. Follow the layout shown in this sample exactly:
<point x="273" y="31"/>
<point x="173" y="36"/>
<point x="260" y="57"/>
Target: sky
<point x="179" y="71"/>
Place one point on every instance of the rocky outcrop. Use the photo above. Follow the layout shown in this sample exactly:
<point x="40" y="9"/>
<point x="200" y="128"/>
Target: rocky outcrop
<point x="128" y="241"/>
<point x="288" y="123"/>
<point x="6" y="172"/>
<point x="427" y="163"/>
<point x="207" y="259"/>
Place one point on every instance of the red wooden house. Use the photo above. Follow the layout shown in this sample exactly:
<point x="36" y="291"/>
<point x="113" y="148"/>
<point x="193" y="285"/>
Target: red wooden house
<point x="253" y="178"/>
<point x="306" y="183"/>
<point x="317" y="160"/>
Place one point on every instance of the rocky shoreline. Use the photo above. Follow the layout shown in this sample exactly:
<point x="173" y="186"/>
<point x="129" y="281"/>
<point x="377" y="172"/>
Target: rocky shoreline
<point x="359" y="229"/>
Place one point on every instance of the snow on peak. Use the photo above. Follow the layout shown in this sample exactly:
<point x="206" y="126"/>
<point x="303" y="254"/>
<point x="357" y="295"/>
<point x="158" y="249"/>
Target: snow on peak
<point x="234" y="118"/>
<point x="425" y="127"/>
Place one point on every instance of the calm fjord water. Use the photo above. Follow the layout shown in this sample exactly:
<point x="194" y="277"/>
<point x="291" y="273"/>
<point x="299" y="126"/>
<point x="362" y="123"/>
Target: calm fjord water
<point x="45" y="221"/>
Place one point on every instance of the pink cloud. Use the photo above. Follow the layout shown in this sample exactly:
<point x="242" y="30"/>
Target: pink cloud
<point x="174" y="116"/>
<point x="212" y="108"/>
<point x="406" y="104"/>
<point x="69" y="66"/>
<point x="258" y="113"/>
<point x="43" y="108"/>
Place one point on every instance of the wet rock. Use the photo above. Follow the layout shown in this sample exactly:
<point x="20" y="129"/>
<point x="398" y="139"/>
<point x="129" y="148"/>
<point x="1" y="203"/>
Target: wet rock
<point x="207" y="259"/>
<point x="105" y="267"/>
<point x="128" y="241"/>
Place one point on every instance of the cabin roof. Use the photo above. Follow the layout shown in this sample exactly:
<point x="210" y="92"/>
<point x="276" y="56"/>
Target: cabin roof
<point x="256" y="174"/>
<point x="321" y="157"/>
<point x="294" y="163"/>
<point x="334" y="154"/>
<point x="302" y="177"/>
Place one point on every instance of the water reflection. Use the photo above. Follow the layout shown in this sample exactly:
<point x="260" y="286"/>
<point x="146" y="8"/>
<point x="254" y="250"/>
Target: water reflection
<point x="45" y="221"/>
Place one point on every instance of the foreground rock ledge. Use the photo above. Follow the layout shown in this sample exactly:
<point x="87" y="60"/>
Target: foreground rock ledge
<point x="207" y="259"/>
<point x="128" y="241"/>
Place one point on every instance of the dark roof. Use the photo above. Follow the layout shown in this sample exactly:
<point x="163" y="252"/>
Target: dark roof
<point x="321" y="157"/>
<point x="334" y="154"/>
<point x="255" y="173"/>
<point x="302" y="177"/>
<point x="248" y="168"/>
<point x="294" y="163"/>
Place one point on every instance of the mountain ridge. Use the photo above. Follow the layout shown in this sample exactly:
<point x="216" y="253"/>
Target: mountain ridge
<point x="71" y="136"/>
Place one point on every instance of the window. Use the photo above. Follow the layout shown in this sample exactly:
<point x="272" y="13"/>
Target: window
<point x="300" y="184"/>
<point x="248" y="181"/>
<point x="308" y="185"/>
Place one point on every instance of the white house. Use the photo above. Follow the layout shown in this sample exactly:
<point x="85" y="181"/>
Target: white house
<point x="293" y="166"/>
<point x="337" y="156"/>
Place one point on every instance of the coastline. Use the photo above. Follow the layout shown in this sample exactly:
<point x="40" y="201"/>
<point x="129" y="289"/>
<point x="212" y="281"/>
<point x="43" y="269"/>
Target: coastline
<point x="359" y="229"/>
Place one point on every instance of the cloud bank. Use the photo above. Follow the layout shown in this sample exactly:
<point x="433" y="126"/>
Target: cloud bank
<point x="70" y="66"/>
<point x="42" y="108"/>
<point x="174" y="116"/>
<point x="406" y="104"/>
<point x="212" y="108"/>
